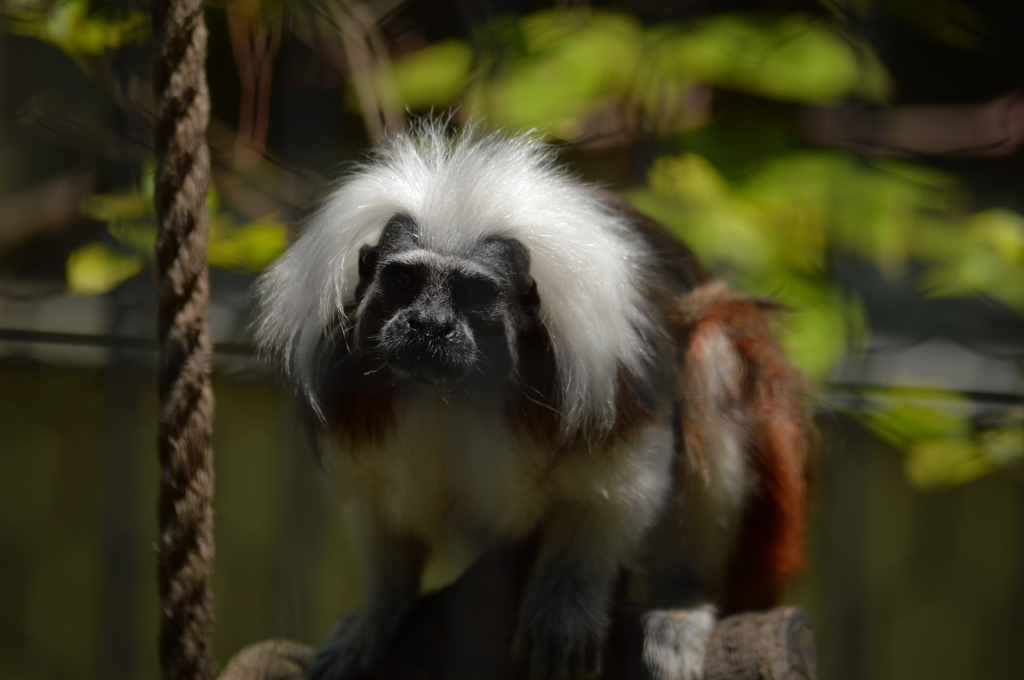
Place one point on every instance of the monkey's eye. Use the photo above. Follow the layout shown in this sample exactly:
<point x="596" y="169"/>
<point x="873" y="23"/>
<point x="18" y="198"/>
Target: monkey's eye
<point x="403" y="279"/>
<point x="475" y="292"/>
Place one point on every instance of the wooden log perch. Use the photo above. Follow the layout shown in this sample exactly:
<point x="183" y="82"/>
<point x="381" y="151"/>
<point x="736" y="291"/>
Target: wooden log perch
<point x="464" y="632"/>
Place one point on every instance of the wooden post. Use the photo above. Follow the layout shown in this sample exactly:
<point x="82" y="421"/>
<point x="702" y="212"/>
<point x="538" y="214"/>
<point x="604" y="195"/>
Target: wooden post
<point x="464" y="632"/>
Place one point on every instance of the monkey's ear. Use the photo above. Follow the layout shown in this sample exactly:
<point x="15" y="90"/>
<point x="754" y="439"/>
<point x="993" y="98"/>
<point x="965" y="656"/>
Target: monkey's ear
<point x="531" y="304"/>
<point x="518" y="257"/>
<point x="367" y="269"/>
<point x="400" y="233"/>
<point x="367" y="263"/>
<point x="529" y="299"/>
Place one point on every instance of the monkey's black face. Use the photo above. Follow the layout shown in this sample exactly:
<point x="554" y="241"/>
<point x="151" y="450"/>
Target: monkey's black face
<point x="441" y="318"/>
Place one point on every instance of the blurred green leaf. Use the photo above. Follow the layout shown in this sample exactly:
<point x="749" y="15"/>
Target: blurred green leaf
<point x="554" y="69"/>
<point x="913" y="420"/>
<point x="69" y="26"/>
<point x="985" y="255"/>
<point x="773" y="231"/>
<point x="573" y="59"/>
<point x="766" y="249"/>
<point x="128" y="215"/>
<point x="434" y="75"/>
<point x="691" y="198"/>
<point x="796" y="58"/>
<point x="954" y="457"/>
<point x="821" y="323"/>
<point x="250" y="246"/>
<point x="1004" y="443"/>
<point x="877" y="212"/>
<point x="118" y="207"/>
<point x="689" y="177"/>
<point x="939" y="463"/>
<point x="140" y="237"/>
<point x="95" y="268"/>
<point x="1002" y="230"/>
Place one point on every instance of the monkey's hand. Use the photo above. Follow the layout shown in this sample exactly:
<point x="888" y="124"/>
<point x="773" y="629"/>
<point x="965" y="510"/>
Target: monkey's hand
<point x="352" y="647"/>
<point x="564" y="615"/>
<point x="393" y="566"/>
<point x="562" y="628"/>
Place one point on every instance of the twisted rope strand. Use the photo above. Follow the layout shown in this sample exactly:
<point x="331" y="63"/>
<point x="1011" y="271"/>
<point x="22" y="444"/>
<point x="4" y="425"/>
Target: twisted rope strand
<point x="185" y="548"/>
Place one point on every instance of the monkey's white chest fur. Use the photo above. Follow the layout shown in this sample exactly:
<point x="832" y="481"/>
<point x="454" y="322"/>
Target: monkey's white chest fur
<point x="451" y="466"/>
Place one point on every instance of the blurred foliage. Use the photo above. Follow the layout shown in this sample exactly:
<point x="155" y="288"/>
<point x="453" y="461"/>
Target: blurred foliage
<point x="793" y="58"/>
<point x="944" y="448"/>
<point x="435" y="73"/>
<point x="763" y="210"/>
<point x="773" y="223"/>
<point x="775" y="232"/>
<point x="550" y="69"/>
<point x="73" y="27"/>
<point x="95" y="268"/>
<point x="767" y="235"/>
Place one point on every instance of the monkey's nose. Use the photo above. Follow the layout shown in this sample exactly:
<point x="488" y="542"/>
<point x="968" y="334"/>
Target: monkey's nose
<point x="431" y="323"/>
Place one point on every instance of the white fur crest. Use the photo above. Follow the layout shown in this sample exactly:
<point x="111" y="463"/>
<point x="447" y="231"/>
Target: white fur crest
<point x="460" y="189"/>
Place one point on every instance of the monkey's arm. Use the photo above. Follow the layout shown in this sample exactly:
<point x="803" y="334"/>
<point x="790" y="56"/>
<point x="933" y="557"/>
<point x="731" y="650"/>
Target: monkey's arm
<point x="393" y="563"/>
<point x="564" y="614"/>
<point x="608" y="505"/>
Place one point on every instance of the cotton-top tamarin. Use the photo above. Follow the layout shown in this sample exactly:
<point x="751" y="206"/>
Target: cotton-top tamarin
<point x="495" y="351"/>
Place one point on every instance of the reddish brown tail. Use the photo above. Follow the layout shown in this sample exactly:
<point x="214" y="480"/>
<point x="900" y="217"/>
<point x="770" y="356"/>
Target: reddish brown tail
<point x="765" y="400"/>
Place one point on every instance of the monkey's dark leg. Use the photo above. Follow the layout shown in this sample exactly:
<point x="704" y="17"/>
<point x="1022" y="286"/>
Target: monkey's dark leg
<point x="564" y="616"/>
<point x="392" y="571"/>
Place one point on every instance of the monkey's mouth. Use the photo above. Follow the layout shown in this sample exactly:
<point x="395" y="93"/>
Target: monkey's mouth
<point x="429" y="363"/>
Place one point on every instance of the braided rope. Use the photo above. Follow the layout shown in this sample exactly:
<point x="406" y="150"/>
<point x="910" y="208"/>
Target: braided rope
<point x="185" y="548"/>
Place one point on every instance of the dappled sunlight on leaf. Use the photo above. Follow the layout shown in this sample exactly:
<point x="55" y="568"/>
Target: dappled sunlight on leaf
<point x="913" y="420"/>
<point x="795" y="58"/>
<point x="831" y="198"/>
<point x="69" y="26"/>
<point x="250" y="246"/>
<point x="1002" y="230"/>
<point x="556" y="68"/>
<point x="773" y="231"/>
<point x="432" y="76"/>
<point x="95" y="269"/>
<point x="945" y="440"/>
<point x="938" y="463"/>
<point x="692" y="199"/>
<point x="572" y="59"/>
<point x="762" y="251"/>
<point x="118" y="207"/>
<point x="720" y="233"/>
<point x="688" y="176"/>
<point x="985" y="256"/>
<point x="952" y="458"/>
<point x="818" y="328"/>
